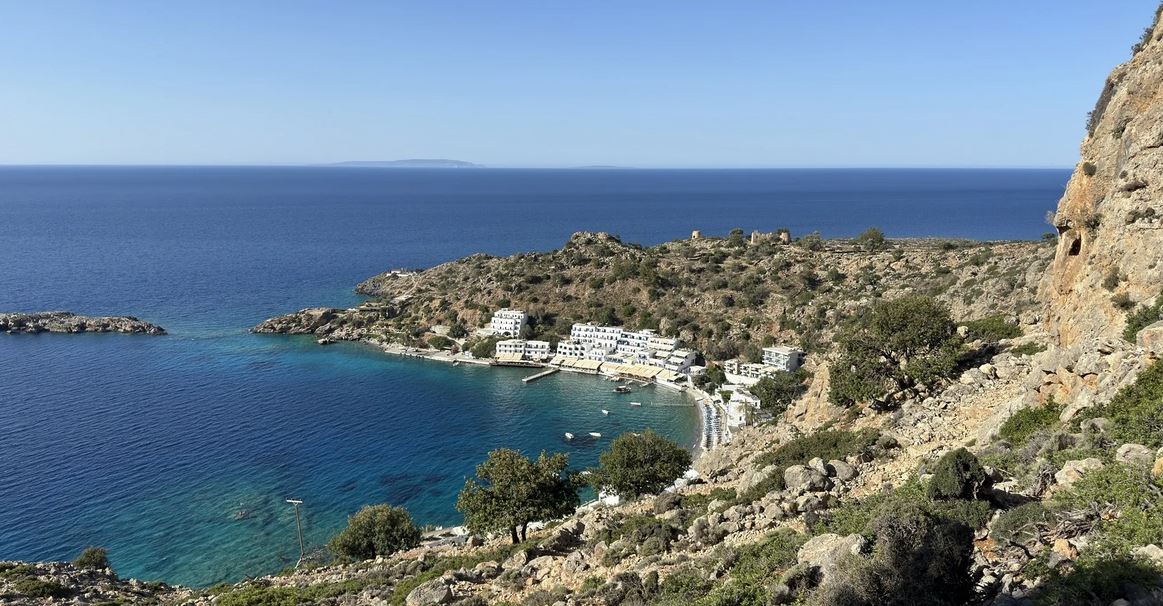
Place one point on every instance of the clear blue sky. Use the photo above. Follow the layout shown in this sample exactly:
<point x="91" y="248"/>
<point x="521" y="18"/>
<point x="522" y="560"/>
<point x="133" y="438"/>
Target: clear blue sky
<point x="547" y="83"/>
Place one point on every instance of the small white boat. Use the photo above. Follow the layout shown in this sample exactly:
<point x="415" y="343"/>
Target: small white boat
<point x="594" y="434"/>
<point x="621" y="389"/>
<point x="636" y="403"/>
<point x="568" y="436"/>
<point x="605" y="412"/>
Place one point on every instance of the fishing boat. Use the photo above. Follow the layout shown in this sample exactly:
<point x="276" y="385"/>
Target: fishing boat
<point x="636" y="403"/>
<point x="594" y="434"/>
<point x="622" y="389"/>
<point x="568" y="436"/>
<point x="605" y="412"/>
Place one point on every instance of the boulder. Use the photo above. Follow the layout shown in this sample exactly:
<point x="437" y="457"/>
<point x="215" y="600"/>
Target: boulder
<point x="1151" y="553"/>
<point x="1097" y="425"/>
<point x="752" y="478"/>
<point x="800" y="478"/>
<point x="1135" y="454"/>
<point x="517" y="560"/>
<point x="842" y="471"/>
<point x="1157" y="469"/>
<point x="1151" y="340"/>
<point x="1072" y="471"/>
<point x="825" y="551"/>
<point x="432" y="592"/>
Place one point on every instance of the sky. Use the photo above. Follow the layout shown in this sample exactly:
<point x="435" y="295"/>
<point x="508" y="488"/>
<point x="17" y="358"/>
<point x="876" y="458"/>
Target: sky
<point x="544" y="83"/>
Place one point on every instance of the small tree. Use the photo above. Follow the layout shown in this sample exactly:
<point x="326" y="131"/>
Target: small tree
<point x="957" y="475"/>
<point x="376" y="530"/>
<point x="510" y="491"/>
<point x="778" y="391"/>
<point x="92" y="557"/>
<point x="639" y="464"/>
<point x="896" y="344"/>
<point x="871" y="239"/>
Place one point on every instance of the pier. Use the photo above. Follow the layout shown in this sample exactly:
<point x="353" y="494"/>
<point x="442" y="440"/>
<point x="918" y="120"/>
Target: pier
<point x="544" y="373"/>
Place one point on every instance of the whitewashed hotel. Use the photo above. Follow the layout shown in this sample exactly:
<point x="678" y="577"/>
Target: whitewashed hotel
<point x="508" y="322"/>
<point x="523" y="349"/>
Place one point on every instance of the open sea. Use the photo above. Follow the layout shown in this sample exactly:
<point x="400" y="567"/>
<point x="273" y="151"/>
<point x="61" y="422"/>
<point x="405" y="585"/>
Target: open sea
<point x="176" y="453"/>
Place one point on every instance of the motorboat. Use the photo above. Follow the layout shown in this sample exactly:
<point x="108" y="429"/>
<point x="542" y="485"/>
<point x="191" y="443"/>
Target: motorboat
<point x="622" y="389"/>
<point x="636" y="403"/>
<point x="605" y="412"/>
<point x="568" y="436"/>
<point x="594" y="434"/>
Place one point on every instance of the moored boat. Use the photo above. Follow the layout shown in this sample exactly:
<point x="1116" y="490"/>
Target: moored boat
<point x="568" y="436"/>
<point x="594" y="434"/>
<point x="605" y="412"/>
<point x="636" y="403"/>
<point x="622" y="389"/>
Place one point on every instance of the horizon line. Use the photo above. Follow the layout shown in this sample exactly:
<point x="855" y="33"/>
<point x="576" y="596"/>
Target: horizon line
<point x="484" y="167"/>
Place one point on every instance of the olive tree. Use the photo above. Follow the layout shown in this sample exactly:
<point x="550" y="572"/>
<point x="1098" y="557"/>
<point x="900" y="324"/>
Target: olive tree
<point x="637" y="464"/>
<point x="510" y="491"/>
<point x="893" y="345"/>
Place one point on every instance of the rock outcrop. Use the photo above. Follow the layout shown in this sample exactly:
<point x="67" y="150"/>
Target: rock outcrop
<point x="66" y="322"/>
<point x="1110" y="220"/>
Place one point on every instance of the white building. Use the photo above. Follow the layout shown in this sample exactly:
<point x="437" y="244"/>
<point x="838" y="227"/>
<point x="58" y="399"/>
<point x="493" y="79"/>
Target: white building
<point x="508" y="322"/>
<point x="571" y="348"/>
<point x="526" y="350"/>
<point x="660" y="343"/>
<point x="740" y="406"/>
<point x="680" y="361"/>
<point x="783" y="358"/>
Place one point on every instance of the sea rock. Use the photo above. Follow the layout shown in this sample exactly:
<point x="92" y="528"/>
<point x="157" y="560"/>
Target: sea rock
<point x="1072" y="471"/>
<point x="70" y="323"/>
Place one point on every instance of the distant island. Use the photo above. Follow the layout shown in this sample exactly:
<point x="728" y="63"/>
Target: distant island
<point x="410" y="163"/>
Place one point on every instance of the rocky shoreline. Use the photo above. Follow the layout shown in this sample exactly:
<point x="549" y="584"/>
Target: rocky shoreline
<point x="70" y="323"/>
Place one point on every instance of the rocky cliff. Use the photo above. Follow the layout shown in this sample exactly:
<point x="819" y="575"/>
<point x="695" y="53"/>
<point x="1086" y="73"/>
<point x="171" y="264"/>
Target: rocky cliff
<point x="1110" y="219"/>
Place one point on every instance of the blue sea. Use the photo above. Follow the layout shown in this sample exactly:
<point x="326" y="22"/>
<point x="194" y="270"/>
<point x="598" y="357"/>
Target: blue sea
<point x="176" y="453"/>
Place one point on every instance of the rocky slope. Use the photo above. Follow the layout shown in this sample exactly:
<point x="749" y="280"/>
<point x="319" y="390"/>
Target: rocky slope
<point x="66" y="322"/>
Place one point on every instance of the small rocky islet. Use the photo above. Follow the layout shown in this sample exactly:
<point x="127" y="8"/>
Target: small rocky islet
<point x="70" y="323"/>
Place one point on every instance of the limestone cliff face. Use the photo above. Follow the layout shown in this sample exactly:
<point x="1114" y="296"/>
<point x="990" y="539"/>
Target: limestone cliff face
<point x="1110" y="219"/>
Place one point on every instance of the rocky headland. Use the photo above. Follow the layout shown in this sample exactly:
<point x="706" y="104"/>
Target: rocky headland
<point x="66" y="322"/>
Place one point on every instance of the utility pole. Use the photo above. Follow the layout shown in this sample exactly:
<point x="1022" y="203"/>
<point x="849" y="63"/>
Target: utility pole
<point x="299" y="526"/>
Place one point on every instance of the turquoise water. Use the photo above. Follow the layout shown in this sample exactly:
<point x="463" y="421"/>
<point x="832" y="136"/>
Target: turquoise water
<point x="176" y="453"/>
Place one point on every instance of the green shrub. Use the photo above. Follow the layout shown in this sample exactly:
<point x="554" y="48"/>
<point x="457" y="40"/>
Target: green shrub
<point x="440" y="342"/>
<point x="684" y="586"/>
<point x="376" y="530"/>
<point x="93" y="557"/>
<point x="918" y="559"/>
<point x="1136" y="411"/>
<point x="1123" y="302"/>
<point x="638" y="529"/>
<point x="1111" y="279"/>
<point x="760" y="561"/>
<point x="1138" y="499"/>
<point x="1142" y="317"/>
<point x="957" y="475"/>
<point x="1028" y="349"/>
<point x="1026" y="422"/>
<point x="993" y="329"/>
<point x="871" y="239"/>
<point x="35" y="588"/>
<point x="1096" y="583"/>
<point x="856" y="516"/>
<point x="1020" y="524"/>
